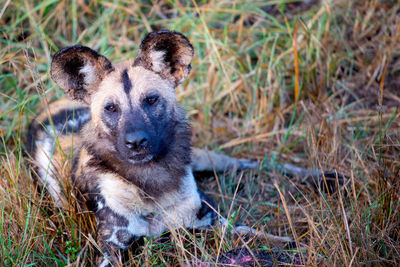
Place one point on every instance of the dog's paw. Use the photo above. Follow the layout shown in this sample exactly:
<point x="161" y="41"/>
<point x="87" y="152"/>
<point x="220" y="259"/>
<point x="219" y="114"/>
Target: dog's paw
<point x="245" y="164"/>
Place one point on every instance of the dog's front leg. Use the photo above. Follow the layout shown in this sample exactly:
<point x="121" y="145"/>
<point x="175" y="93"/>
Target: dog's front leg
<point x="113" y="236"/>
<point x="108" y="254"/>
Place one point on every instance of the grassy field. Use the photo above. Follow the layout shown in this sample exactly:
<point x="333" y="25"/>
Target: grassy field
<point x="316" y="84"/>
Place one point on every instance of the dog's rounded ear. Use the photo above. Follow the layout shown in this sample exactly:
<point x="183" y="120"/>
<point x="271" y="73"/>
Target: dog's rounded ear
<point x="78" y="70"/>
<point x="166" y="53"/>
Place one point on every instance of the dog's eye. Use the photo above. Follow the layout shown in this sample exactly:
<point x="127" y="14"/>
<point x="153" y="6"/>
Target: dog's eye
<point x="151" y="100"/>
<point x="111" y="107"/>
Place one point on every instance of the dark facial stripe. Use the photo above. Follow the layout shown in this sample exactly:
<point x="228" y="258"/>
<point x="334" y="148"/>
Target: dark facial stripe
<point x="126" y="81"/>
<point x="110" y="119"/>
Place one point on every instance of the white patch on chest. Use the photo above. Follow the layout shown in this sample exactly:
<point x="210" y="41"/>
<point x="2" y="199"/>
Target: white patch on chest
<point x="173" y="210"/>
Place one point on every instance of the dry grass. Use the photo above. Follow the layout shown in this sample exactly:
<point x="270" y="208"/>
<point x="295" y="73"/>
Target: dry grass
<point x="315" y="84"/>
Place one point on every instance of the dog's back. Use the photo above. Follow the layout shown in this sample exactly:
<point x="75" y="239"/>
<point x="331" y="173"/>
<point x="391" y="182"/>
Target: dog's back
<point x="53" y="135"/>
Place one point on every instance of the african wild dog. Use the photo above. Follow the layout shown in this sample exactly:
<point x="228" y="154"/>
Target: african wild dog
<point x="132" y="157"/>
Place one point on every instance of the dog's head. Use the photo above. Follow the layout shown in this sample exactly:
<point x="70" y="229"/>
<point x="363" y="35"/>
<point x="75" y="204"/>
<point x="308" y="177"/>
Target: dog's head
<point x="133" y="105"/>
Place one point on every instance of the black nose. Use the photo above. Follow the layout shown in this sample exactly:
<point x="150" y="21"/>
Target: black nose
<point x="136" y="140"/>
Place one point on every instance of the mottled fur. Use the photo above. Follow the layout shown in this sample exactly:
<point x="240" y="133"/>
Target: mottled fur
<point x="131" y="155"/>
